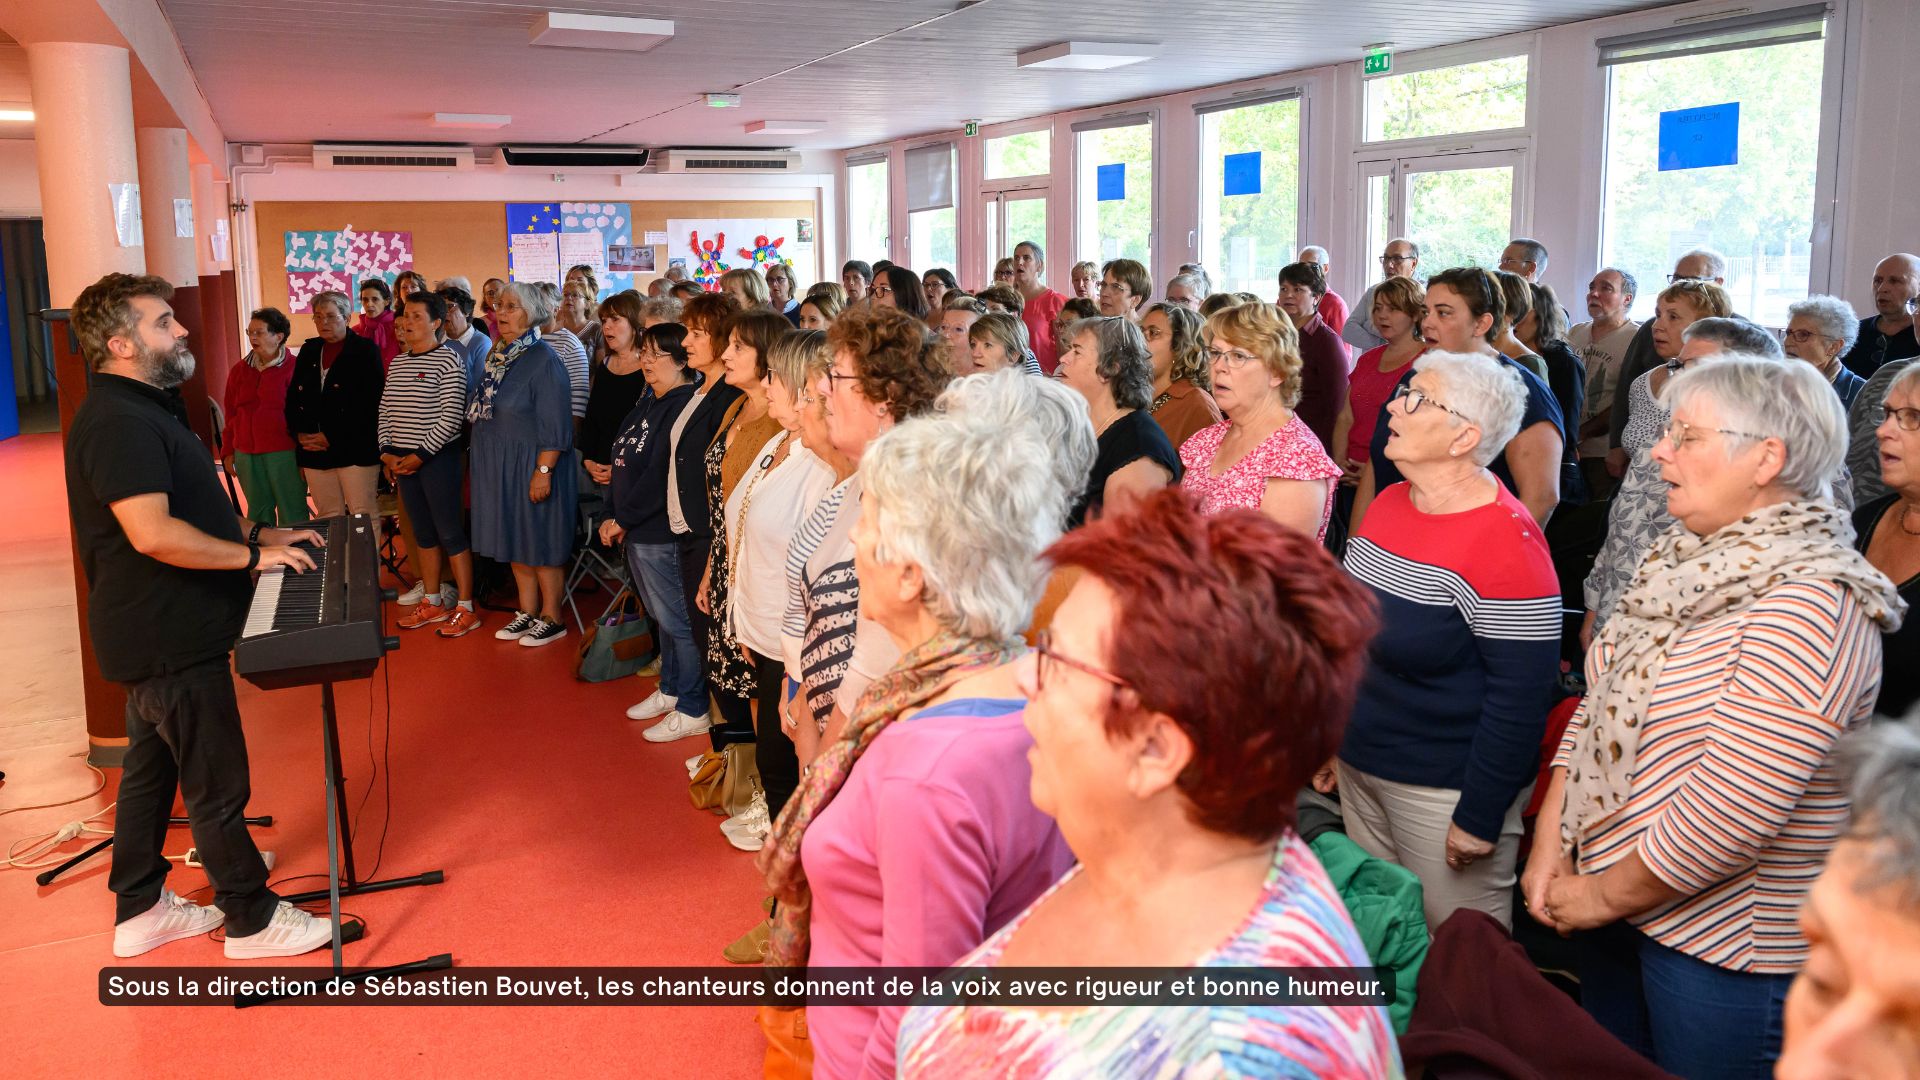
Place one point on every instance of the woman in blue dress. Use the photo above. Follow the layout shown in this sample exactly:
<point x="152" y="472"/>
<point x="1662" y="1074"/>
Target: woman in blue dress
<point x="524" y="475"/>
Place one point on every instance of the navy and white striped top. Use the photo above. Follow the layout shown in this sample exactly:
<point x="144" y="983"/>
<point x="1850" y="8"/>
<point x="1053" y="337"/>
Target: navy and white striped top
<point x="1461" y="674"/>
<point x="573" y="356"/>
<point x="423" y="405"/>
<point x="818" y="663"/>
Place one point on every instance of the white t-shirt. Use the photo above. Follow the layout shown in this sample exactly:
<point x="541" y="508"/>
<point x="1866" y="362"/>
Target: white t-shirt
<point x="1603" y="359"/>
<point x="775" y="501"/>
<point x="676" y="518"/>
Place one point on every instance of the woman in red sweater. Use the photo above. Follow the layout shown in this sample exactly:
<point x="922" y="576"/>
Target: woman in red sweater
<point x="259" y="446"/>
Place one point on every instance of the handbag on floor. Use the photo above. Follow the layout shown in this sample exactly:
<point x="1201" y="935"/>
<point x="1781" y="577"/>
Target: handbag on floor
<point x="789" y="1050"/>
<point x="724" y="781"/>
<point x="618" y="645"/>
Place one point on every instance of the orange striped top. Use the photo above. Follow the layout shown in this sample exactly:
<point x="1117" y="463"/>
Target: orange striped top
<point x="1734" y="800"/>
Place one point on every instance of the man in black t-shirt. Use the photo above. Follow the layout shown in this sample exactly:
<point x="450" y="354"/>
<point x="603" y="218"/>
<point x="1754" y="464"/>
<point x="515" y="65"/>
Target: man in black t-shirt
<point x="167" y="563"/>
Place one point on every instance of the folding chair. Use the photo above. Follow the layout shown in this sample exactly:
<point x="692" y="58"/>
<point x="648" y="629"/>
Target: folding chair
<point x="594" y="565"/>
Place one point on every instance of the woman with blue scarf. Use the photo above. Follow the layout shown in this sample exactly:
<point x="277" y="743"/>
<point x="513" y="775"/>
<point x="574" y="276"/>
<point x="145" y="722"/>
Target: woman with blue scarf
<point x="524" y="476"/>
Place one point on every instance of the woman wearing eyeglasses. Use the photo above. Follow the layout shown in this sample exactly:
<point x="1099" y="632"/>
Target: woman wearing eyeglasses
<point x="1263" y="456"/>
<point x="1172" y="769"/>
<point x="1694" y="796"/>
<point x="897" y="287"/>
<point x="1888" y="533"/>
<point x="1820" y="330"/>
<point x="1444" y="743"/>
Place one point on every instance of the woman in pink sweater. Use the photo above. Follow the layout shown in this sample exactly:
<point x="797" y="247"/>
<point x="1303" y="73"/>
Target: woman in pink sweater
<point x="259" y="448"/>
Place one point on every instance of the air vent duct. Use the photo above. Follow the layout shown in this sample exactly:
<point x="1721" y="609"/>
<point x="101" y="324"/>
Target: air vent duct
<point x="729" y="161"/>
<point x="576" y="158"/>
<point x="425" y="158"/>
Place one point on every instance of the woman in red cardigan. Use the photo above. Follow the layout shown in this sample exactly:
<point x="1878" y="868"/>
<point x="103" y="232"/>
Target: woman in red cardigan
<point x="259" y="446"/>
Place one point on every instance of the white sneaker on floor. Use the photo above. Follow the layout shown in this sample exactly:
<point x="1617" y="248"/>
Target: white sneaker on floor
<point x="693" y="764"/>
<point x="655" y="704"/>
<point x="748" y="829"/>
<point x="171" y="918"/>
<point x="522" y="622"/>
<point x="290" y="932"/>
<point x="677" y="725"/>
<point x="543" y="632"/>
<point x="413" y="596"/>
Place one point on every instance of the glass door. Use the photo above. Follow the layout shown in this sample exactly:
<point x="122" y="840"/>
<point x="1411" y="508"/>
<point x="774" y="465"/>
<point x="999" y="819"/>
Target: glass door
<point x="1012" y="215"/>
<point x="1460" y="208"/>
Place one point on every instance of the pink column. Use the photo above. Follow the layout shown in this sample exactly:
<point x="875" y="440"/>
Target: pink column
<point x="83" y="133"/>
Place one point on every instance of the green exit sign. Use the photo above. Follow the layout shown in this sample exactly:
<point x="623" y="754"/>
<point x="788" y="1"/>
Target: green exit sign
<point x="971" y="129"/>
<point x="1379" y="63"/>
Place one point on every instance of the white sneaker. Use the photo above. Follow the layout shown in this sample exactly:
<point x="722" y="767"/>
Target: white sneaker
<point x="414" y="595"/>
<point x="748" y="829"/>
<point x="693" y="764"/>
<point x="656" y="704"/>
<point x="677" y="725"/>
<point x="290" y="933"/>
<point x="171" y="918"/>
<point x="515" y="630"/>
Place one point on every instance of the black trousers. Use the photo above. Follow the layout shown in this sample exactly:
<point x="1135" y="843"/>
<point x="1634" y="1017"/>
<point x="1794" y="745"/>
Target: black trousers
<point x="773" y="751"/>
<point x="735" y="723"/>
<point x="183" y="731"/>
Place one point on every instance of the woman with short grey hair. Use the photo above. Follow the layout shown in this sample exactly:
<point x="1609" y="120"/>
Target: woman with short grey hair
<point x="1054" y="414"/>
<point x="1108" y="363"/>
<point x="1695" y="785"/>
<point x="524" y="478"/>
<point x="1442" y="748"/>
<point x="333" y="411"/>
<point x="1820" y="330"/>
<point x="918" y="821"/>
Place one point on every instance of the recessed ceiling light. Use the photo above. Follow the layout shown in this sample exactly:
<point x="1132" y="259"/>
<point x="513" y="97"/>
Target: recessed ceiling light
<point x="11" y="112"/>
<point x="724" y="101"/>
<point x="569" y="31"/>
<point x="786" y="127"/>
<point x="470" y="120"/>
<point x="1087" y="55"/>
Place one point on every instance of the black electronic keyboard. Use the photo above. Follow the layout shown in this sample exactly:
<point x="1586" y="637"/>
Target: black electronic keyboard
<point x="323" y="625"/>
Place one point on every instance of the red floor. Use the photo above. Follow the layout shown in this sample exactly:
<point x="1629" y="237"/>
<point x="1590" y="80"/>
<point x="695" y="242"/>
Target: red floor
<point x="566" y="839"/>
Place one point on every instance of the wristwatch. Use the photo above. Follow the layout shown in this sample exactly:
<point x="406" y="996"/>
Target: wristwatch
<point x="543" y="469"/>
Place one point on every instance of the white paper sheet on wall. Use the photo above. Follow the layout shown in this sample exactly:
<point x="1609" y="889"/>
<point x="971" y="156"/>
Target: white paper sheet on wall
<point x="536" y="257"/>
<point x="183" y="218"/>
<point x="124" y="201"/>
<point x="589" y="248"/>
<point x="218" y="240"/>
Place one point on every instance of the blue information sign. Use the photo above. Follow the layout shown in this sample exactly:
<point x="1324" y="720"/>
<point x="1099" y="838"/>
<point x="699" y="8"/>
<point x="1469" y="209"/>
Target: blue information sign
<point x="1700" y="138"/>
<point x="1242" y="174"/>
<point x="1110" y="182"/>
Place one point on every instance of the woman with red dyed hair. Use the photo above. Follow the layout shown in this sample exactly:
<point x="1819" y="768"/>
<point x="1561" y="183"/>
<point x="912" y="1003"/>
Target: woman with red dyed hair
<point x="1171" y="769"/>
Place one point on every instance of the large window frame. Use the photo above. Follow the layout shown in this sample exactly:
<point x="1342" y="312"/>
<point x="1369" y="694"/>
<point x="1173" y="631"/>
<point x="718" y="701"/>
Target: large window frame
<point x="853" y="243"/>
<point x="926" y="209"/>
<point x="1834" y="98"/>
<point x="1472" y="52"/>
<point x="1208" y="215"/>
<point x="1085" y="209"/>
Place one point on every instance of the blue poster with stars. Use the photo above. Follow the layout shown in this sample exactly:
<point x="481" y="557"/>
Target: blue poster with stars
<point x="545" y="239"/>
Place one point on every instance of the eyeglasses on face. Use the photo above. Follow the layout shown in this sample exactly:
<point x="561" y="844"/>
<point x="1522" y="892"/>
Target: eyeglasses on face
<point x="1801" y="337"/>
<point x="1046" y="657"/>
<point x="883" y="290"/>
<point x="1416" y="398"/>
<point x="1233" y="358"/>
<point x="1680" y="433"/>
<point x="834" y="377"/>
<point x="1395" y="260"/>
<point x="1904" y="419"/>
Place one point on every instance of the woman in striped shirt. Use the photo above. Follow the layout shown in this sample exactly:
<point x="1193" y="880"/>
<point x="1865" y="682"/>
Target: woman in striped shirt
<point x="423" y="409"/>
<point x="1693" y="799"/>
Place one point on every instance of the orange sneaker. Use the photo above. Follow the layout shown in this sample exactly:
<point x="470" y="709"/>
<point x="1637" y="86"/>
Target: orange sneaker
<point x="461" y="621"/>
<point x="424" y="613"/>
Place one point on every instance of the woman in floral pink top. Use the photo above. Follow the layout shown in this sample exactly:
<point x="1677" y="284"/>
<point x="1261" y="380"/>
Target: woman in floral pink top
<point x="1263" y="456"/>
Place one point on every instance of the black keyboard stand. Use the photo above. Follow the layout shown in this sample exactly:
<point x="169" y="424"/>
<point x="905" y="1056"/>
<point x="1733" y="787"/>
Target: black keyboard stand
<point x="346" y="882"/>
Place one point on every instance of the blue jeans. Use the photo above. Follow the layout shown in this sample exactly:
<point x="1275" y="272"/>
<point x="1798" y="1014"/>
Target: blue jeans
<point x="656" y="574"/>
<point x="1690" y="1017"/>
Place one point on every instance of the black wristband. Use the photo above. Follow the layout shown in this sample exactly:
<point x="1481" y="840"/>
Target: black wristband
<point x="253" y="556"/>
<point x="254" y="536"/>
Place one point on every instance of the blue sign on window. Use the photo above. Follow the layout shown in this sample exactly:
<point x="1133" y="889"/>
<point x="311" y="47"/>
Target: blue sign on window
<point x="1700" y="138"/>
<point x="1242" y="174"/>
<point x="1110" y="182"/>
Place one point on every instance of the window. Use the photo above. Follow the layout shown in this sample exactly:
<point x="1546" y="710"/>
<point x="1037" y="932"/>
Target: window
<point x="1736" y="175"/>
<point x="1490" y="95"/>
<point x="1114" y="191"/>
<point x="1029" y="153"/>
<point x="1249" y="193"/>
<point x="931" y="224"/>
<point x="867" y="198"/>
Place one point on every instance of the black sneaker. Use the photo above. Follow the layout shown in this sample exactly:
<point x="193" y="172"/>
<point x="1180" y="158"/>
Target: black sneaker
<point x="522" y="622"/>
<point x="543" y="632"/>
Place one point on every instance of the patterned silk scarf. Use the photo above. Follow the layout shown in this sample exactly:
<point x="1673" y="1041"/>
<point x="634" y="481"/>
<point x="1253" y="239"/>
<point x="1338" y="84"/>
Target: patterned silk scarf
<point x="502" y="357"/>
<point x="1685" y="580"/>
<point x="920" y="676"/>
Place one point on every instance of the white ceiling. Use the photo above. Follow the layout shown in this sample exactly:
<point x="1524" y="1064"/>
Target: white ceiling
<point x="374" y="70"/>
